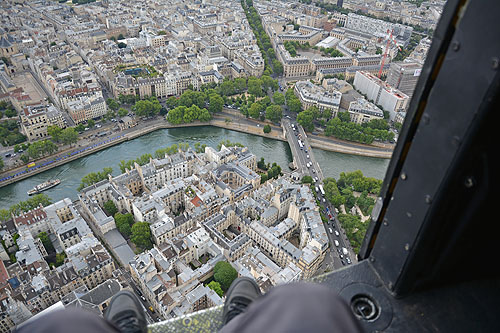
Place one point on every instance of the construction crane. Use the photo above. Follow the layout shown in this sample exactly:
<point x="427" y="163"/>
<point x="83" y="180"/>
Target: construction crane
<point x="389" y="41"/>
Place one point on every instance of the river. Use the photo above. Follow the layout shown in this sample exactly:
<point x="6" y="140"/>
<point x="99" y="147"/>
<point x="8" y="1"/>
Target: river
<point x="71" y="173"/>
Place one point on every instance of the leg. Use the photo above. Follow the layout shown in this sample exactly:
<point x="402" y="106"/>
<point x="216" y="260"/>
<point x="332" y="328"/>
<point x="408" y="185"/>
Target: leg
<point x="296" y="307"/>
<point x="69" y="320"/>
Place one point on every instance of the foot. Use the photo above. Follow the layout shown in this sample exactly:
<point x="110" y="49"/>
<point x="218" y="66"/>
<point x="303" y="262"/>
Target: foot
<point x="125" y="311"/>
<point x="242" y="292"/>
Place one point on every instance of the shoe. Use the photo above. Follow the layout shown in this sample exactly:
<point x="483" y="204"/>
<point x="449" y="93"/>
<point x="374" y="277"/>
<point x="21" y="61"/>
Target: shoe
<point x="125" y="311"/>
<point x="242" y="292"/>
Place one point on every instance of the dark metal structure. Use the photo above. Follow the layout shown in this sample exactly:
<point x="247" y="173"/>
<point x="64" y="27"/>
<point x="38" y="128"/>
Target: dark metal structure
<point x="428" y="261"/>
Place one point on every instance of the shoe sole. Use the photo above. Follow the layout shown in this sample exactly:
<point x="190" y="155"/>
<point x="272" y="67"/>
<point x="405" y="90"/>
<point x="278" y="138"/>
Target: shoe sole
<point x="231" y="288"/>
<point x="139" y="305"/>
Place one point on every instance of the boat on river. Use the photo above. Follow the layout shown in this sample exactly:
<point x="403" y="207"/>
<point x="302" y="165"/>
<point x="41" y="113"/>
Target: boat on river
<point x="44" y="186"/>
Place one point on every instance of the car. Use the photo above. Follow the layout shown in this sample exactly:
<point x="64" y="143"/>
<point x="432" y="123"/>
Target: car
<point x="348" y="261"/>
<point x="341" y="256"/>
<point x="8" y="155"/>
<point x="98" y="126"/>
<point x="324" y="200"/>
<point x="86" y="128"/>
<point x="337" y="233"/>
<point x="14" y="155"/>
<point x="331" y="231"/>
<point x="342" y="261"/>
<point x="336" y="242"/>
<point x="143" y="298"/>
<point x="258" y="125"/>
<point x="307" y="155"/>
<point x="314" y="170"/>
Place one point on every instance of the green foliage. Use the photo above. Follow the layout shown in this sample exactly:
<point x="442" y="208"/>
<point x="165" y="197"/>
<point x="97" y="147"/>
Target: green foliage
<point x="224" y="274"/>
<point x="215" y="103"/>
<point x="228" y="143"/>
<point x="274" y="113"/>
<point x="255" y="110"/>
<point x="215" y="286"/>
<point x="41" y="148"/>
<point x="110" y="208"/>
<point x="69" y="136"/>
<point x="124" y="223"/>
<point x="305" y="119"/>
<point x="354" y="229"/>
<point x="141" y="235"/>
<point x="60" y="257"/>
<point x="127" y="99"/>
<point x="147" y="108"/>
<point x="122" y="112"/>
<point x="31" y="203"/>
<point x="47" y="244"/>
<point x="94" y="177"/>
<point x="55" y="132"/>
<point x="2" y="163"/>
<point x="307" y="180"/>
<point x="359" y="183"/>
<point x="141" y="160"/>
<point x="274" y="171"/>
<point x="267" y="128"/>
<point x="9" y="133"/>
<point x="184" y="115"/>
<point x="279" y="98"/>
<point x="4" y="215"/>
<point x="112" y="104"/>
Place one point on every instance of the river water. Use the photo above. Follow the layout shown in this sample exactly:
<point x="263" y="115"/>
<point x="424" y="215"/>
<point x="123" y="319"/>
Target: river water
<point x="70" y="174"/>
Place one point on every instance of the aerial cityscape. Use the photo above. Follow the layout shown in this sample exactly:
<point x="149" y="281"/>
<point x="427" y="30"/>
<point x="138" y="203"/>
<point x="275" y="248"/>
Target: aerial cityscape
<point x="167" y="147"/>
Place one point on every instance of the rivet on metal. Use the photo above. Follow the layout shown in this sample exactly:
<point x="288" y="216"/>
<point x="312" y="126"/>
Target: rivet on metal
<point x="495" y="63"/>
<point x="428" y="199"/>
<point x="469" y="182"/>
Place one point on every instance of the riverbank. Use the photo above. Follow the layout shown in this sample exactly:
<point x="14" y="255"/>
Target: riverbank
<point x="227" y="120"/>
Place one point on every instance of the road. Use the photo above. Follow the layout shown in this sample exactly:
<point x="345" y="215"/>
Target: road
<point x="307" y="165"/>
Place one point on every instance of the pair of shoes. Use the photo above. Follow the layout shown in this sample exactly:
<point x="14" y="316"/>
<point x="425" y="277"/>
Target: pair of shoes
<point x="241" y="293"/>
<point x="125" y="311"/>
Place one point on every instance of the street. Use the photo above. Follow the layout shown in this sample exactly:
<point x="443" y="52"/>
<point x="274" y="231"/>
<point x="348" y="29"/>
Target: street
<point x="307" y="165"/>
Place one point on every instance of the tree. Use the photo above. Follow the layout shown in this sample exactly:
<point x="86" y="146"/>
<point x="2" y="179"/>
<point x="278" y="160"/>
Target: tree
<point x="55" y="132"/>
<point x="122" y="112"/>
<point x="274" y="113"/>
<point x="110" y="208"/>
<point x="141" y="235"/>
<point x="215" y="286"/>
<point x="60" y="257"/>
<point x="2" y="163"/>
<point x="294" y="104"/>
<point x="112" y="104"/>
<point x="267" y="128"/>
<point x="215" y="103"/>
<point x="91" y="123"/>
<point x="94" y="177"/>
<point x="278" y="98"/>
<point x="255" y="110"/>
<point x="307" y="180"/>
<point x="305" y="119"/>
<point x="4" y="215"/>
<point x="80" y="128"/>
<point x="124" y="223"/>
<point x="224" y="274"/>
<point x="69" y="136"/>
<point x="47" y="244"/>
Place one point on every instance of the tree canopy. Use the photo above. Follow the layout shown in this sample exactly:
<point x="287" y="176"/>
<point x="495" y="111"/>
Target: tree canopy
<point x="224" y="274"/>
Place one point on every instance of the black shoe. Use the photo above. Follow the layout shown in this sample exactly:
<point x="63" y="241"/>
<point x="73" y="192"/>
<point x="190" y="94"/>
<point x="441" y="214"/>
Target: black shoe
<point x="125" y="311"/>
<point x="242" y="292"/>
